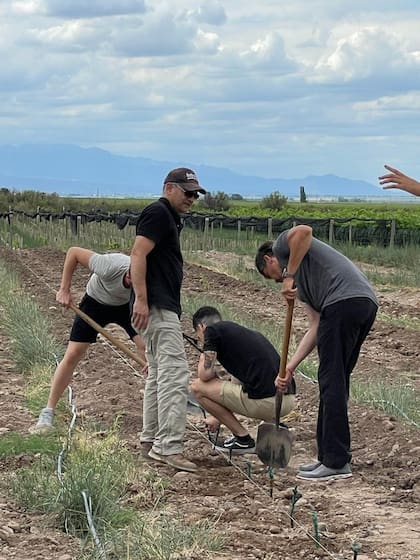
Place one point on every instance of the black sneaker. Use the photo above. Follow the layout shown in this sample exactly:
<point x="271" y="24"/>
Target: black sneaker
<point x="234" y="445"/>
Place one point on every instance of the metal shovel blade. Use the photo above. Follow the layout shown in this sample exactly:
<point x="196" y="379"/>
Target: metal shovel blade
<point x="274" y="441"/>
<point x="274" y="445"/>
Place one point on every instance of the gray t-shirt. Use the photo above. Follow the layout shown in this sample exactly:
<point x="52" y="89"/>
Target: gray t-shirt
<point x="324" y="276"/>
<point x="106" y="283"/>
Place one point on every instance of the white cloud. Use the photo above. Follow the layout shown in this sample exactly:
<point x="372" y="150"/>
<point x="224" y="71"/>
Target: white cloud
<point x="366" y="53"/>
<point x="273" y="85"/>
<point x="210" y="12"/>
<point x="91" y="8"/>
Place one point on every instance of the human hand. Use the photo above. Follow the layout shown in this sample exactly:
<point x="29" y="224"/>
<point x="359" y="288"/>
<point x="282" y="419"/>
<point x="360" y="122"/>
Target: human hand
<point x="212" y="424"/>
<point x="140" y="315"/>
<point x="397" y="180"/>
<point x="288" y="289"/>
<point x="64" y="297"/>
<point x="282" y="383"/>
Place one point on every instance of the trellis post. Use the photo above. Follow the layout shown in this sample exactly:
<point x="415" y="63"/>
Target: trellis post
<point x="205" y="233"/>
<point x="331" y="232"/>
<point x="393" y="231"/>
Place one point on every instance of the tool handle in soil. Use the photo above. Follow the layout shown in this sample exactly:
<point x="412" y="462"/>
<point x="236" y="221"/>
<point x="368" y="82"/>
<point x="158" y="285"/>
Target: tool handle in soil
<point x="284" y="353"/>
<point x="107" y="335"/>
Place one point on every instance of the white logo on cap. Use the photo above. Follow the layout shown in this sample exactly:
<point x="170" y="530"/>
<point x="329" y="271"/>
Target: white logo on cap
<point x="191" y="177"/>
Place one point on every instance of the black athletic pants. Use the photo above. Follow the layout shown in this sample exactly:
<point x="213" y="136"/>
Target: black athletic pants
<point x="342" y="329"/>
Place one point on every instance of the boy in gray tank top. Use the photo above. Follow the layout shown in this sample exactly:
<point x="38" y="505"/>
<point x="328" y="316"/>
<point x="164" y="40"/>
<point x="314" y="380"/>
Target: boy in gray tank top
<point x="341" y="306"/>
<point x="106" y="301"/>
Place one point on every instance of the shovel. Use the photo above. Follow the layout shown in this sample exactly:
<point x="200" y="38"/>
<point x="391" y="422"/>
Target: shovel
<point x="274" y="441"/>
<point x="120" y="345"/>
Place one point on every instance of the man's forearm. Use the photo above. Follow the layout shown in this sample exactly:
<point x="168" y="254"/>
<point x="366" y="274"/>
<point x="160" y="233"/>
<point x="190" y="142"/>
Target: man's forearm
<point x="70" y="264"/>
<point x="138" y="276"/>
<point x="206" y="370"/>
<point x="305" y="347"/>
<point x="74" y="256"/>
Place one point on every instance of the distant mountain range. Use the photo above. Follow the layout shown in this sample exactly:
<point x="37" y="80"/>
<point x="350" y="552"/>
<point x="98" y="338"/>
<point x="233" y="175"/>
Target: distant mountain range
<point x="72" y="170"/>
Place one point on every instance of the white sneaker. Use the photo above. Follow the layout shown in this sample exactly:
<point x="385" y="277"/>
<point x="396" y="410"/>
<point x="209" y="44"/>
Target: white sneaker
<point x="325" y="473"/>
<point x="45" y="422"/>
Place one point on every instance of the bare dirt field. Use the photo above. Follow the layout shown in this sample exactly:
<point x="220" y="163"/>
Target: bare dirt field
<point x="379" y="507"/>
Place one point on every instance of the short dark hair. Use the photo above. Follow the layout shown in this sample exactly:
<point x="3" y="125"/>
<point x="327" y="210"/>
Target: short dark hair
<point x="207" y="315"/>
<point x="265" y="249"/>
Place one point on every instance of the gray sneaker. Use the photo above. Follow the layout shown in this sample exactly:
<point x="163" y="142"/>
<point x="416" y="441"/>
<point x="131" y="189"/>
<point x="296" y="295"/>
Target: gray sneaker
<point x="310" y="466"/>
<point x="322" y="473"/>
<point x="45" y="422"/>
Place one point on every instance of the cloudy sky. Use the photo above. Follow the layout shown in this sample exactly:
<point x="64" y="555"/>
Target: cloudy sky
<point x="271" y="88"/>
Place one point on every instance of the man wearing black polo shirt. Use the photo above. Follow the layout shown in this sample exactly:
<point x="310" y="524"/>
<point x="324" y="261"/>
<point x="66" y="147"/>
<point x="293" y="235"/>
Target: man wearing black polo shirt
<point x="156" y="274"/>
<point x="253" y="361"/>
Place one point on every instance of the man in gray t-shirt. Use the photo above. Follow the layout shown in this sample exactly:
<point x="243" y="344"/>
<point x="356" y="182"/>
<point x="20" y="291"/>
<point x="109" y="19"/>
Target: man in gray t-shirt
<point x="106" y="301"/>
<point x="341" y="306"/>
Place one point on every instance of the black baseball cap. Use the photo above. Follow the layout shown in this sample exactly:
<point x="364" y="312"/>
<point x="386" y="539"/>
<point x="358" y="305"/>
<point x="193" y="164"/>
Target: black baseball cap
<point x="186" y="178"/>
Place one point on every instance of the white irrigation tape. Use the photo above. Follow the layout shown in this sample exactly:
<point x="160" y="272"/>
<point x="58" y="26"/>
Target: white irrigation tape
<point x="88" y="508"/>
<point x="67" y="443"/>
<point x="311" y="379"/>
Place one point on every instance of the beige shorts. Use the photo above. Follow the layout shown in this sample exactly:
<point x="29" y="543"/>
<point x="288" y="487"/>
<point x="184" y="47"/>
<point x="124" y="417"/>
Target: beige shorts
<point x="234" y="399"/>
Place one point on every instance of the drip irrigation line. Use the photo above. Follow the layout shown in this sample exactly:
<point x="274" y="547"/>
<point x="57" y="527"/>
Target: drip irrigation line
<point x="88" y="509"/>
<point x="311" y="379"/>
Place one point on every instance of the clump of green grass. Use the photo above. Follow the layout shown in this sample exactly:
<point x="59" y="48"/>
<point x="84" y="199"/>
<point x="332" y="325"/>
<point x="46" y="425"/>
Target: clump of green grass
<point x="36" y="486"/>
<point x="13" y="443"/>
<point x="161" y="536"/>
<point x="99" y="467"/>
<point x="398" y="399"/>
<point x="411" y="323"/>
<point x="28" y="330"/>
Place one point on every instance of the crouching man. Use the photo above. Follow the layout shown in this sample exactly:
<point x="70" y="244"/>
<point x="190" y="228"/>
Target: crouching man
<point x="253" y="361"/>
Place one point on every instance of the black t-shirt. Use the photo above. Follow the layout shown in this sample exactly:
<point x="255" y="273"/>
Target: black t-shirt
<point x="160" y="223"/>
<point x="247" y="355"/>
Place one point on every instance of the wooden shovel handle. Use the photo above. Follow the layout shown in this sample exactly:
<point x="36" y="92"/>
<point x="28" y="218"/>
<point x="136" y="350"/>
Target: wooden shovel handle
<point x="286" y="337"/>
<point x="284" y="353"/>
<point x="107" y="335"/>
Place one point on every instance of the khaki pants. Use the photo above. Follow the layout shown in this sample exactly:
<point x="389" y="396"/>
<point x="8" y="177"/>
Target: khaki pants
<point x="165" y="396"/>
<point x="233" y="398"/>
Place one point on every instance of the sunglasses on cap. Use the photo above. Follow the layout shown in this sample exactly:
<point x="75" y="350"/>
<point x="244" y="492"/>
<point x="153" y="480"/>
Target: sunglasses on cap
<point x="188" y="194"/>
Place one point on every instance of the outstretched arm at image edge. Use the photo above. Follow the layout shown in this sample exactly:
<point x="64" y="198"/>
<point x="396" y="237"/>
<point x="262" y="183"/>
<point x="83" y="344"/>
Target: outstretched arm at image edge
<point x="397" y="180"/>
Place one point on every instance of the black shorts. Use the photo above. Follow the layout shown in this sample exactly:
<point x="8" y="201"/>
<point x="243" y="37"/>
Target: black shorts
<point x="103" y="315"/>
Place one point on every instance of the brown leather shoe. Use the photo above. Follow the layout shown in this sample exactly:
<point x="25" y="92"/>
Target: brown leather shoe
<point x="177" y="461"/>
<point x="145" y="447"/>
